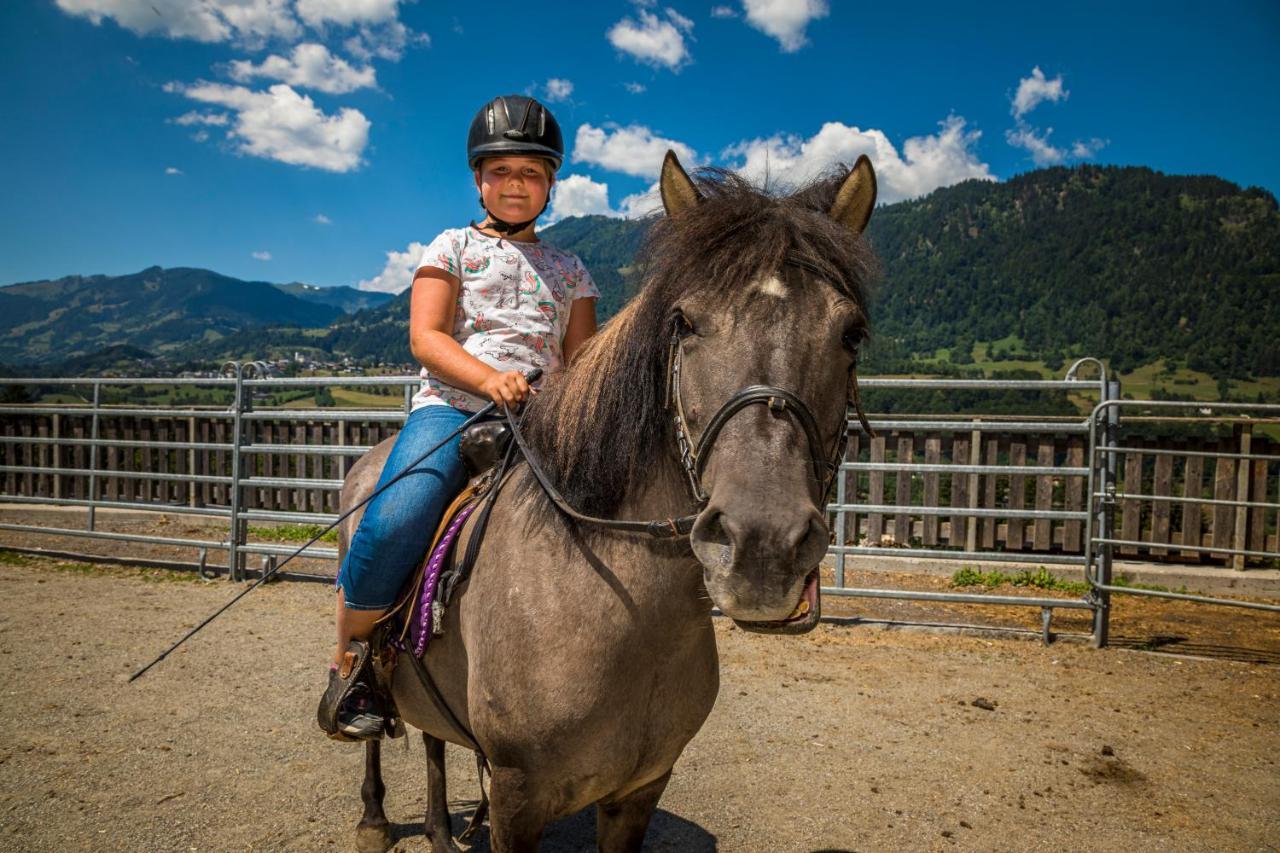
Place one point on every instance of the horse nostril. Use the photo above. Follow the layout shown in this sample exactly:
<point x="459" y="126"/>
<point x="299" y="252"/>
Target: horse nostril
<point x="712" y="541"/>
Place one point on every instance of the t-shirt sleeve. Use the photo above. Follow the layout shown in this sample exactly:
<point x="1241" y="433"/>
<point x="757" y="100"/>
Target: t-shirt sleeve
<point x="443" y="253"/>
<point x="583" y="285"/>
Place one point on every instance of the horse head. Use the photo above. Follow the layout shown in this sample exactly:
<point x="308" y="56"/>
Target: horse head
<point x="785" y="327"/>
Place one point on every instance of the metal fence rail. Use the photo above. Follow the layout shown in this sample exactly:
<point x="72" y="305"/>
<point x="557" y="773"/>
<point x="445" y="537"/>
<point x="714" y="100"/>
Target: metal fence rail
<point x="993" y="489"/>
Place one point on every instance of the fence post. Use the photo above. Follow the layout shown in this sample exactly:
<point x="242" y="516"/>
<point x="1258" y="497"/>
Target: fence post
<point x="93" y="454"/>
<point x="1106" y="517"/>
<point x="235" y="570"/>
<point x="1243" y="479"/>
<point x="192" y="490"/>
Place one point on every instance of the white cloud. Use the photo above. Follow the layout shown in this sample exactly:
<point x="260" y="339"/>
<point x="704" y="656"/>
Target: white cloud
<point x="634" y="88"/>
<point x="784" y="20"/>
<point x="1087" y="149"/>
<point x="347" y="12"/>
<point x="1036" y="143"/>
<point x="632" y="150"/>
<point x="311" y="66"/>
<point x="652" y="40"/>
<point x="384" y="41"/>
<point x="193" y="117"/>
<point x="723" y="12"/>
<point x="578" y="195"/>
<point x="321" y="219"/>
<point x="200" y="136"/>
<point x="642" y="203"/>
<point x="205" y="20"/>
<point x="926" y="162"/>
<point x="262" y="256"/>
<point x="279" y="124"/>
<point x="173" y="170"/>
<point x="558" y="90"/>
<point x="1035" y="90"/>
<point x="397" y="275"/>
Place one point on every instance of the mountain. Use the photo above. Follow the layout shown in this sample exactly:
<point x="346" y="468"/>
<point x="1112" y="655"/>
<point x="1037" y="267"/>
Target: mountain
<point x="1124" y="263"/>
<point x="348" y="300"/>
<point x="156" y="309"/>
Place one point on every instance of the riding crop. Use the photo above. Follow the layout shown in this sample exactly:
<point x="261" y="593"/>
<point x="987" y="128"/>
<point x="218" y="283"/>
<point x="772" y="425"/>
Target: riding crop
<point x="531" y="376"/>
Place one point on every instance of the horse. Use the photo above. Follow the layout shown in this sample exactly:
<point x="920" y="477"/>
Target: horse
<point x="581" y="659"/>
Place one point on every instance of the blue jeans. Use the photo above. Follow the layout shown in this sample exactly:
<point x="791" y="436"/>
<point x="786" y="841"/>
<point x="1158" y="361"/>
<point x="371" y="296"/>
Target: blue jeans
<point x="398" y="525"/>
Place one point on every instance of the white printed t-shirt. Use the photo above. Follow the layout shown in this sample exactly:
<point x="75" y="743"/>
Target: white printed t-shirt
<point x="513" y="305"/>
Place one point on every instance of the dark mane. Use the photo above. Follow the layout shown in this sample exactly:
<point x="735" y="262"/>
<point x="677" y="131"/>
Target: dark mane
<point x="598" y="425"/>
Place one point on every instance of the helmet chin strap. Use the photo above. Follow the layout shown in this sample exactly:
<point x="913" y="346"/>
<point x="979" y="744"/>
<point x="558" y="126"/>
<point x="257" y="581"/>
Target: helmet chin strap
<point x="508" y="228"/>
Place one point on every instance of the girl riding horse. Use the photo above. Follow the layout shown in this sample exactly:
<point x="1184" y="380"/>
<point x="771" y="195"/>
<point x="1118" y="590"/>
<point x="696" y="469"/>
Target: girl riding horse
<point x="489" y="302"/>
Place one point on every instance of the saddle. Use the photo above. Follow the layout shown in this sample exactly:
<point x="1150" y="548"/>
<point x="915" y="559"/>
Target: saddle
<point x="418" y="612"/>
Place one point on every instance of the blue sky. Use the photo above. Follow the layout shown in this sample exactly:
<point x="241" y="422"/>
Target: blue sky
<point x="324" y="140"/>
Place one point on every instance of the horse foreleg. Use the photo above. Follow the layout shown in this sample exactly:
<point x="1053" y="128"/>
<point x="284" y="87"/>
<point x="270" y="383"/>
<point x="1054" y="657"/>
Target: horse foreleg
<point x="373" y="833"/>
<point x="436" y="825"/>
<point x="516" y="816"/>
<point x="621" y="824"/>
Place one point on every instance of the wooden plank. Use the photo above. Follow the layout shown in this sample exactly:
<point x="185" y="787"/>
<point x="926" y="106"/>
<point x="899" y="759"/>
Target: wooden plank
<point x="1072" y="530"/>
<point x="10" y="478"/>
<point x="989" y="483"/>
<point x="147" y="459"/>
<point x="299" y="499"/>
<point x="851" y="454"/>
<point x="1192" y="513"/>
<point x="932" y="456"/>
<point x="1258" y="493"/>
<point x="79" y="482"/>
<point x="875" y="493"/>
<point x="1241" y="537"/>
<point x="1131" y="508"/>
<point x="42" y="456"/>
<point x="1042" y="528"/>
<point x="1224" y="489"/>
<point x="319" y="497"/>
<point x="1017" y="494"/>
<point x="1162" y="486"/>
<point x="902" y="492"/>
<point x="24" y="455"/>
<point x="961" y="450"/>
<point x="181" y="463"/>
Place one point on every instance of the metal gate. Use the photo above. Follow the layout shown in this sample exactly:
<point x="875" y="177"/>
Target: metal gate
<point x="1253" y="478"/>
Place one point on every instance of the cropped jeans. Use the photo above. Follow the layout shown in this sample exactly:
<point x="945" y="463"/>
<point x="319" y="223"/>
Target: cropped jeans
<point x="398" y="525"/>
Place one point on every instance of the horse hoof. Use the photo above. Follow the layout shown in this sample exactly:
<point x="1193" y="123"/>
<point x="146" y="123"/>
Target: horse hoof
<point x="373" y="838"/>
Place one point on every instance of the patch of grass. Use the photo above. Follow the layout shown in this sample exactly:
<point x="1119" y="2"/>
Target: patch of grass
<point x="293" y="533"/>
<point x="1041" y="578"/>
<point x="147" y="575"/>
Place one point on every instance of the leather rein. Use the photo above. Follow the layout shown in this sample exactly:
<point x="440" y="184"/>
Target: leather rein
<point x="694" y="454"/>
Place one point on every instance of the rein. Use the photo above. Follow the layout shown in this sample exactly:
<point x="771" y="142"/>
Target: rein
<point x="694" y="455"/>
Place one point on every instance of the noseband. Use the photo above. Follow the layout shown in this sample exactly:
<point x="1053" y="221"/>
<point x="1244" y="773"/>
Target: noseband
<point x="694" y="455"/>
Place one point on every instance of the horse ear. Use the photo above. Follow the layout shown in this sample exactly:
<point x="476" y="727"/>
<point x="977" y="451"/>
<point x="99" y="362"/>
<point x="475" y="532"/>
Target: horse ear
<point x="677" y="188"/>
<point x="857" y="196"/>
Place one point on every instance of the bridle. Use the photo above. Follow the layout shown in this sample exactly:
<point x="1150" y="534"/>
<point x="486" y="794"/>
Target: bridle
<point x="694" y="454"/>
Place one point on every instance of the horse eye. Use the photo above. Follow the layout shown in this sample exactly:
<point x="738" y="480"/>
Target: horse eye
<point x="683" y="327"/>
<point x="852" y="339"/>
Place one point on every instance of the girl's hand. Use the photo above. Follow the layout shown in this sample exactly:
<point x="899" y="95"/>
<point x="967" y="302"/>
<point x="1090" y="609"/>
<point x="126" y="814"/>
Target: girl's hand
<point x="508" y="387"/>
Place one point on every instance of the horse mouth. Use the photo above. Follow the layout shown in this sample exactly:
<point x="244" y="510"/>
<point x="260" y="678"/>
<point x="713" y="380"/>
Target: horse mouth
<point x="803" y="619"/>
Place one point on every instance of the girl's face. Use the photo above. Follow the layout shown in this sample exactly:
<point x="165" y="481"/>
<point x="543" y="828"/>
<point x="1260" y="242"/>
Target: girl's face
<point x="514" y="189"/>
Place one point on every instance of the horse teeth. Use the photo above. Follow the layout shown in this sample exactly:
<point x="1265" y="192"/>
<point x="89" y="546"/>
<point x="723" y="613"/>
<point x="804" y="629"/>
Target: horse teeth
<point x="801" y="609"/>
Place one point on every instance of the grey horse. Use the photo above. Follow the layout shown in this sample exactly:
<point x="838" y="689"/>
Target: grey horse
<point x="584" y="660"/>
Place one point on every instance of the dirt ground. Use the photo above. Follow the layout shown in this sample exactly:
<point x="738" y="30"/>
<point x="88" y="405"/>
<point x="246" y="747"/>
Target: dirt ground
<point x="855" y="737"/>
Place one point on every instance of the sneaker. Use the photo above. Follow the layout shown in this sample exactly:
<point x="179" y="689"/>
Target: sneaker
<point x="358" y="716"/>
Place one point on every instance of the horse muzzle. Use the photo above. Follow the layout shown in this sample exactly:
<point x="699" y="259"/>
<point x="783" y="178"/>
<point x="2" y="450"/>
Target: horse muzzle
<point x="764" y="576"/>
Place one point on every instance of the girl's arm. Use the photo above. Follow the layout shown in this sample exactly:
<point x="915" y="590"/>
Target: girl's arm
<point x="431" y="309"/>
<point x="581" y="325"/>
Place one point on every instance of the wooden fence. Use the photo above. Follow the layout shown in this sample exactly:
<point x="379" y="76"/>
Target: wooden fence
<point x="1164" y="468"/>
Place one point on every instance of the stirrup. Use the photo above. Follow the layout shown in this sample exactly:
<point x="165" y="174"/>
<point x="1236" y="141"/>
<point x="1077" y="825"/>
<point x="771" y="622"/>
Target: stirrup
<point x="355" y="662"/>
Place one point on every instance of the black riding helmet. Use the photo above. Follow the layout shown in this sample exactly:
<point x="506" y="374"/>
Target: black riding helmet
<point x="514" y="126"/>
